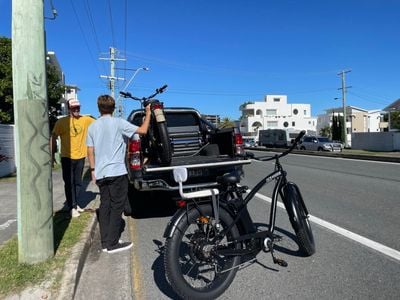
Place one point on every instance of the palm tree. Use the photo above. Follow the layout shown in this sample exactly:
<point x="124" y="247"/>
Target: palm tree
<point x="226" y="123"/>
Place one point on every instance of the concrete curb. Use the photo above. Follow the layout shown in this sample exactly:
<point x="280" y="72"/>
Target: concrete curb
<point x="74" y="265"/>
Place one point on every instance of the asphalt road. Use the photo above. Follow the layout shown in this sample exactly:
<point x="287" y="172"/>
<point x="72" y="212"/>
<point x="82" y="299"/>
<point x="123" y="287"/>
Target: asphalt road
<point x="8" y="200"/>
<point x="361" y="197"/>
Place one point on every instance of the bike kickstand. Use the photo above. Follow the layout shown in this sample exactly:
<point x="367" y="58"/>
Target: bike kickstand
<point x="269" y="244"/>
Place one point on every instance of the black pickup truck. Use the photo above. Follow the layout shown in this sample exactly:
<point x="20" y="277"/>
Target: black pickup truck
<point x="206" y="151"/>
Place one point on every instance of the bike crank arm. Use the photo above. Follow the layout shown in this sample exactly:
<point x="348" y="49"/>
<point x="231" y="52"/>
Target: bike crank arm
<point x="268" y="244"/>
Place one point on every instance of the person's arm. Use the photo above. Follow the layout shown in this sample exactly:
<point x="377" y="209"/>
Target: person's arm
<point x="145" y="126"/>
<point x="52" y="145"/>
<point x="90" y="153"/>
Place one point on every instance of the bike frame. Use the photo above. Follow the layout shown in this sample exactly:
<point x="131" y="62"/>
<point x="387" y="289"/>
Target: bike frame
<point x="280" y="176"/>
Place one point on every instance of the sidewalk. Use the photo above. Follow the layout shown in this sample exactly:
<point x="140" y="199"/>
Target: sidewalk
<point x="88" y="273"/>
<point x="93" y="274"/>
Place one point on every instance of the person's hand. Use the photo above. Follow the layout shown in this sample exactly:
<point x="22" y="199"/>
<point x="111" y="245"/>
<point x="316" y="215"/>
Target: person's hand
<point x="93" y="177"/>
<point x="148" y="111"/>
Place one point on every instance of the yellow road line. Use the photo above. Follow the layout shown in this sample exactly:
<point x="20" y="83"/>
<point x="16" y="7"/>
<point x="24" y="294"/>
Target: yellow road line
<point x="135" y="263"/>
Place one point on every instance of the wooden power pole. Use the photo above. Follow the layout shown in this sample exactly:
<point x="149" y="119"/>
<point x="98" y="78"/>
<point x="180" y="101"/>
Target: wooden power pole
<point x="34" y="180"/>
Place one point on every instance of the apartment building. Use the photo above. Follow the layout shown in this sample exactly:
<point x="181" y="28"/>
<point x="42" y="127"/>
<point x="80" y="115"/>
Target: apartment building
<point x="357" y="120"/>
<point x="275" y="113"/>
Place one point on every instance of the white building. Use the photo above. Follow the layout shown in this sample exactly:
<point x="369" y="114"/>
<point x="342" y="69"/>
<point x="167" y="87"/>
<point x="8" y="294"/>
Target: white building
<point x="275" y="113"/>
<point x="358" y="120"/>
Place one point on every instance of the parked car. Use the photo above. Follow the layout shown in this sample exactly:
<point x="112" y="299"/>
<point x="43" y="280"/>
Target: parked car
<point x="248" y="142"/>
<point x="317" y="143"/>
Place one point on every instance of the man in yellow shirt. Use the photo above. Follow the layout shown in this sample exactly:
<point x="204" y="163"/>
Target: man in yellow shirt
<point x="72" y="130"/>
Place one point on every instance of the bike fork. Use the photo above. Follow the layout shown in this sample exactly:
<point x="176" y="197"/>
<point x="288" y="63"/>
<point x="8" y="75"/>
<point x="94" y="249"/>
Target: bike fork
<point x="268" y="241"/>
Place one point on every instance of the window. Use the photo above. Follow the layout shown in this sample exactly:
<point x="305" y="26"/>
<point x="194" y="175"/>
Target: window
<point x="277" y="99"/>
<point x="181" y="119"/>
<point x="272" y="123"/>
<point x="271" y="112"/>
<point x="293" y="124"/>
<point x="307" y="139"/>
<point x="305" y="112"/>
<point x="295" y="111"/>
<point x="285" y="124"/>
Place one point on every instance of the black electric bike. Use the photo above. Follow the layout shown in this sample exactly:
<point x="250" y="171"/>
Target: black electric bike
<point x="208" y="241"/>
<point x="157" y="141"/>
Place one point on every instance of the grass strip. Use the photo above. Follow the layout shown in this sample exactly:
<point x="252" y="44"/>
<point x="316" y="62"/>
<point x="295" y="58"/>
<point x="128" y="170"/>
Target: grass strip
<point x="15" y="277"/>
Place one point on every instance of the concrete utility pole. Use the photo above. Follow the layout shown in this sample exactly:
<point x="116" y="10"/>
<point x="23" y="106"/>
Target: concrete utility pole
<point x="34" y="180"/>
<point x="343" y="88"/>
<point x="112" y="77"/>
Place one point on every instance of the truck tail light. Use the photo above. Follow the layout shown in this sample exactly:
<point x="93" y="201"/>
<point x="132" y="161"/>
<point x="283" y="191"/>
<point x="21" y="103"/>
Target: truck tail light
<point x="134" y="155"/>
<point x="239" y="147"/>
<point x="181" y="203"/>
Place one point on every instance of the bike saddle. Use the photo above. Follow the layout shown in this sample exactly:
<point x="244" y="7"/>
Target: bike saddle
<point x="229" y="178"/>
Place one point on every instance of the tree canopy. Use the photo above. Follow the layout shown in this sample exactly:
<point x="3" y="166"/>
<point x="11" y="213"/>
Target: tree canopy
<point x="226" y="123"/>
<point x="55" y="87"/>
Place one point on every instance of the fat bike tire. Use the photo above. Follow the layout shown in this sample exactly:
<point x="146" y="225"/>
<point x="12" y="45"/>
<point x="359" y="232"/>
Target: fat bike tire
<point x="192" y="270"/>
<point x="164" y="149"/>
<point x="299" y="220"/>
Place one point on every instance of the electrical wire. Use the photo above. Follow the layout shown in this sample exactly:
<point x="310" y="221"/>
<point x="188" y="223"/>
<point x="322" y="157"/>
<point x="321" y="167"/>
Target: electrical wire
<point x="125" y="35"/>
<point x="84" y="38"/>
<point x="360" y="96"/>
<point x="111" y="23"/>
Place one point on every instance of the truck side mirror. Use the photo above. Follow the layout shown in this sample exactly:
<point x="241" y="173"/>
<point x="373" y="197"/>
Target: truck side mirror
<point x="180" y="174"/>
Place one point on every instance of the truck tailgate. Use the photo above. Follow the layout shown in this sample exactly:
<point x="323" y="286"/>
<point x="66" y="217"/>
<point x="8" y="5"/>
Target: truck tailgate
<point x="193" y="162"/>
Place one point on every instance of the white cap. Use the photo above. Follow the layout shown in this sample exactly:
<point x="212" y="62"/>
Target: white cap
<point x="73" y="103"/>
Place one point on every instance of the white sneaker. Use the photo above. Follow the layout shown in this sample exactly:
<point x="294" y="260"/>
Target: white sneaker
<point x="79" y="209"/>
<point x="75" y="213"/>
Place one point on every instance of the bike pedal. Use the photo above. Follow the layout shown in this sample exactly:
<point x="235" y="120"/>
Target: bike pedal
<point x="280" y="262"/>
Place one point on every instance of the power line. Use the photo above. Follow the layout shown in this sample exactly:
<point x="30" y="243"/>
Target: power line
<point x="111" y="22"/>
<point x="125" y="33"/>
<point x="89" y="14"/>
<point x="84" y="38"/>
<point x="360" y="96"/>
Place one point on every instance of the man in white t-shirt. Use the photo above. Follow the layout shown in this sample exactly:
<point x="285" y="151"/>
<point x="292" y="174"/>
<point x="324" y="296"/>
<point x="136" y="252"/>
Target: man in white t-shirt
<point x="106" y="141"/>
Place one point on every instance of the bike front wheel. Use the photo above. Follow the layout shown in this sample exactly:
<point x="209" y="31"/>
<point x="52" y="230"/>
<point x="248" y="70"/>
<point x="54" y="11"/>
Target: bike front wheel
<point x="299" y="219"/>
<point x="193" y="266"/>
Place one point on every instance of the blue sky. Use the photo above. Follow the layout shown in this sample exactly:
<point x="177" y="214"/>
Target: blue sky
<point x="215" y="55"/>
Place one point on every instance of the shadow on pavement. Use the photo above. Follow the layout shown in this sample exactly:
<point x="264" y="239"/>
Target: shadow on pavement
<point x="159" y="272"/>
<point x="62" y="218"/>
<point x="284" y="234"/>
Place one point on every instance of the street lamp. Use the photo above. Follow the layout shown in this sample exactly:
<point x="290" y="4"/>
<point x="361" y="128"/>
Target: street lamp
<point x="119" y="100"/>
<point x="133" y="76"/>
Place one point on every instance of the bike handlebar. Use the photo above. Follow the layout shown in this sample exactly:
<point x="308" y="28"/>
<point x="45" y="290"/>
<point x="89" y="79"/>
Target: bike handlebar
<point x="158" y="91"/>
<point x="276" y="156"/>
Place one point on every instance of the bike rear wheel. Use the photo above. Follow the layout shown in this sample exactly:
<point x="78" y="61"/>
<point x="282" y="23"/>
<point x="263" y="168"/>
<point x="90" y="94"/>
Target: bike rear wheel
<point x="192" y="265"/>
<point x="164" y="149"/>
<point x="299" y="219"/>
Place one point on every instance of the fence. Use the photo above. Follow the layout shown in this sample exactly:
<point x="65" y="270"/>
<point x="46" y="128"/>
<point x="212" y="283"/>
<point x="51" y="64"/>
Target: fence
<point x="7" y="152"/>
<point x="376" y="141"/>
